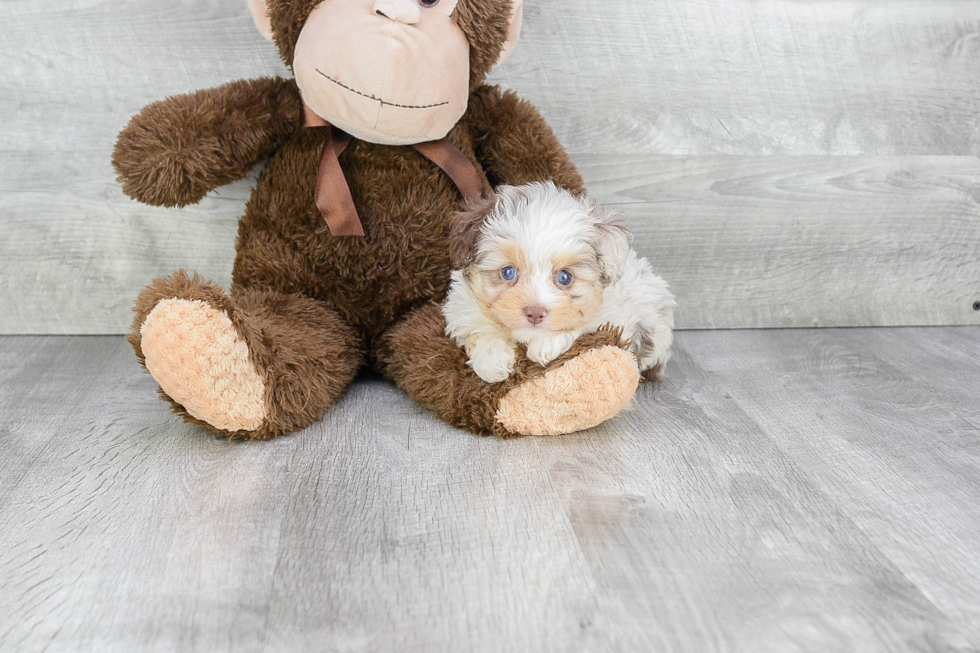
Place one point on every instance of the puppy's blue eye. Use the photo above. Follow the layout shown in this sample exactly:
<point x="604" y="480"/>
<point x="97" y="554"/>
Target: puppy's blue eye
<point x="565" y="278"/>
<point x="509" y="273"/>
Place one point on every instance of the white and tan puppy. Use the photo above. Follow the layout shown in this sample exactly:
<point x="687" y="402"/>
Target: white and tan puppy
<point x="540" y="267"/>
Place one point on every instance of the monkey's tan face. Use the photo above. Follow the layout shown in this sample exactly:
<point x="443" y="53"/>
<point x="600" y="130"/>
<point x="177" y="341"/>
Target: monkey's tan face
<point x="394" y="72"/>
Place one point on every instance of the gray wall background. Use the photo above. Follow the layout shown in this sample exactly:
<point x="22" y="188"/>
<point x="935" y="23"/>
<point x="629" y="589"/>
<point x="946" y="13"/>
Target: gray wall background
<point x="784" y="163"/>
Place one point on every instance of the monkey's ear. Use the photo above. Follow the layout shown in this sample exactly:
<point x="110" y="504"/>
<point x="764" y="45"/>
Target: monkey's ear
<point x="464" y="230"/>
<point x="513" y="32"/>
<point x="260" y="14"/>
<point x="612" y="244"/>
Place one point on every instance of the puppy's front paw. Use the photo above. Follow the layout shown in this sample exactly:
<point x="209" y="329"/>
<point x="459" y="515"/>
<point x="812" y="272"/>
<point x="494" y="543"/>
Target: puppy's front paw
<point x="544" y="350"/>
<point x="492" y="360"/>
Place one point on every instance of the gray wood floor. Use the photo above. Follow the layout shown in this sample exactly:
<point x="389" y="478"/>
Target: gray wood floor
<point x="782" y="491"/>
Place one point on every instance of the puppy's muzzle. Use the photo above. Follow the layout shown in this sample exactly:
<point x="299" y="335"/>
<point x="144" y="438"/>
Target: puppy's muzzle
<point x="535" y="314"/>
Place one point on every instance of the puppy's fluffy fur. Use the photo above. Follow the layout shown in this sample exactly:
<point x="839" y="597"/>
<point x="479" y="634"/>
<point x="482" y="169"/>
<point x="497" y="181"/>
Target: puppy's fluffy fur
<point x="541" y="267"/>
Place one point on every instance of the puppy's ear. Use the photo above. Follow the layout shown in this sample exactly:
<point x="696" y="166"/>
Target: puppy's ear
<point x="464" y="230"/>
<point x="612" y="243"/>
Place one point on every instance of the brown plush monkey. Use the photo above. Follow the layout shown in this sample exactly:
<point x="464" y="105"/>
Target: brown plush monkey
<point x="312" y="300"/>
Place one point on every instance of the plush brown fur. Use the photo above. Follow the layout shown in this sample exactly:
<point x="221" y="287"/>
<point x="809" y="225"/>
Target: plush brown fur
<point x="175" y="151"/>
<point x="305" y="352"/>
<point x="485" y="23"/>
<point x="308" y="304"/>
<point x="432" y="369"/>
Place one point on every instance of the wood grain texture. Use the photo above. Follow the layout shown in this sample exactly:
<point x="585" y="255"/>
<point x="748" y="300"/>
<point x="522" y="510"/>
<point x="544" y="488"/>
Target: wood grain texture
<point x="886" y="423"/>
<point x="801" y="77"/>
<point x="628" y="89"/>
<point x="795" y="490"/>
<point x="805" y="241"/>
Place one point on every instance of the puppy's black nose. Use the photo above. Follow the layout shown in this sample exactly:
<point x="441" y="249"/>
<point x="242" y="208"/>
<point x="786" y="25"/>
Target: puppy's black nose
<point x="535" y="314"/>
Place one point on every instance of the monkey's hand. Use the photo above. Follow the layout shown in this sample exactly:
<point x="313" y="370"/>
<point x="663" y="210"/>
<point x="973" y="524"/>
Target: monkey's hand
<point x="175" y="151"/>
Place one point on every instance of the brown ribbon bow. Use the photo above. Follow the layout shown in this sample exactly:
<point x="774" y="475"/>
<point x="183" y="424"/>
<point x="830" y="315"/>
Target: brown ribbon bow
<point x="332" y="194"/>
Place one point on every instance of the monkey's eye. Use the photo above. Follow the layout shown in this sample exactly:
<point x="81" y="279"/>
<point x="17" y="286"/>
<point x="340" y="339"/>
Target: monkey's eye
<point x="509" y="273"/>
<point x="428" y="3"/>
<point x="565" y="278"/>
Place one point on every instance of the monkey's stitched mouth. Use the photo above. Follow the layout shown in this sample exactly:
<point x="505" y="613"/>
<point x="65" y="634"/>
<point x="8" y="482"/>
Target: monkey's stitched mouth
<point x="377" y="99"/>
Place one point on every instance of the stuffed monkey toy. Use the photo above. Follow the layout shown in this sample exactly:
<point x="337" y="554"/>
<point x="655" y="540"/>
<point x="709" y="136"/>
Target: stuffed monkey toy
<point x="343" y="254"/>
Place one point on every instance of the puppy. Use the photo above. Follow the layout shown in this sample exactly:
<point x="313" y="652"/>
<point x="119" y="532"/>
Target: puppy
<point x="540" y="267"/>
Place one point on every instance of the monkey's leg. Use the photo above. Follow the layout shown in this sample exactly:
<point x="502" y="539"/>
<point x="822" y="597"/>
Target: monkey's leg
<point x="582" y="388"/>
<point x="255" y="365"/>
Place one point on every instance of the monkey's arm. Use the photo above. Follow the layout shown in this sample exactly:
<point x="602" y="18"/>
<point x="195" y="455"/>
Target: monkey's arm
<point x="173" y="152"/>
<point x="515" y="144"/>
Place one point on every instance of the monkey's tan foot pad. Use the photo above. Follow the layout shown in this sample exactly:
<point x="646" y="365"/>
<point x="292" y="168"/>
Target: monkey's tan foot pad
<point x="584" y="392"/>
<point x="196" y="355"/>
